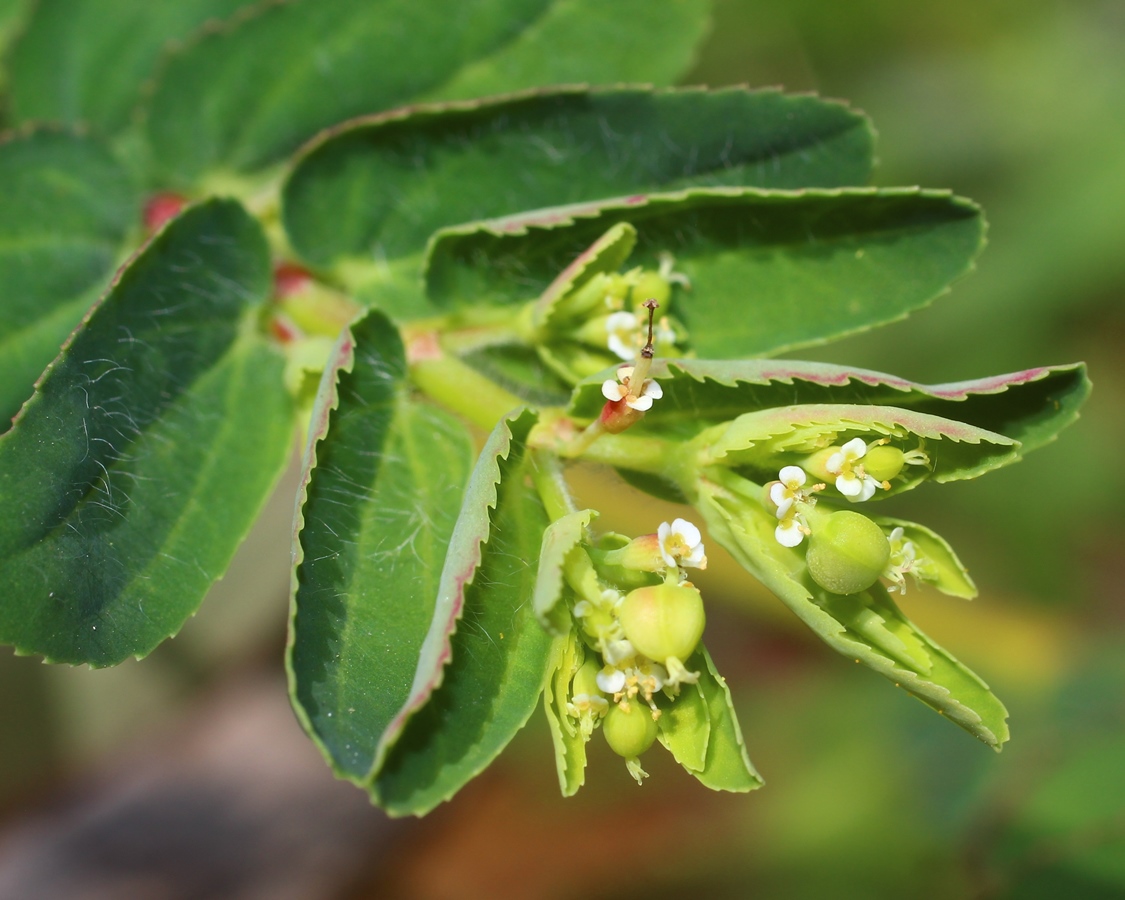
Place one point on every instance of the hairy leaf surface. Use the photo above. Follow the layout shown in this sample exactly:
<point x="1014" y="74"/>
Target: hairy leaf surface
<point x="384" y="475"/>
<point x="129" y="479"/>
<point x="66" y="207"/>
<point x="376" y="188"/>
<point x="485" y="660"/>
<point x="245" y="96"/>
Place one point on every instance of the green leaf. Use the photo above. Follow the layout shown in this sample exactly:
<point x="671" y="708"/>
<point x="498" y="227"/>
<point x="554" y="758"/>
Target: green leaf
<point x="764" y="440"/>
<point x="383" y="475"/>
<point x="587" y="41"/>
<point x="86" y="61"/>
<point x="485" y="659"/>
<point x="605" y="256"/>
<point x="375" y="189"/>
<point x="941" y="568"/>
<point x="562" y="537"/>
<point x="808" y="266"/>
<point x="701" y="731"/>
<point x="568" y="740"/>
<point x="1030" y="406"/>
<point x="727" y="767"/>
<point x="245" y="96"/>
<point x="67" y="206"/>
<point x="870" y="630"/>
<point x="129" y="479"/>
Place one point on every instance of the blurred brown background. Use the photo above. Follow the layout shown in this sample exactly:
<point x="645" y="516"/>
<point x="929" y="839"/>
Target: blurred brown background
<point x="185" y="776"/>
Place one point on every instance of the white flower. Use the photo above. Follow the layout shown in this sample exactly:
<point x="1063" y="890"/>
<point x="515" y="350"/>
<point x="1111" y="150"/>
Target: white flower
<point x="622" y="329"/>
<point x="904" y="560"/>
<point x="789" y="490"/>
<point x="789" y="531"/>
<point x="681" y="544"/>
<point x="610" y="680"/>
<point x="851" y="480"/>
<point x="623" y="389"/>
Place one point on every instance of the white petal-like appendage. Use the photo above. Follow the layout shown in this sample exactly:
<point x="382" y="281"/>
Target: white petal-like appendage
<point x="784" y="506"/>
<point x="788" y="533"/>
<point x="792" y="476"/>
<point x="653" y="389"/>
<point x="687" y="531"/>
<point x="640" y="404"/>
<point x="849" y="485"/>
<point x="835" y="463"/>
<point x="613" y="390"/>
<point x="855" y="448"/>
<point x="611" y="681"/>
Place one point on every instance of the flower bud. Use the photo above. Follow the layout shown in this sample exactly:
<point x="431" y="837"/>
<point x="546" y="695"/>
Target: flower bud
<point x="663" y="620"/>
<point x="629" y="730"/>
<point x="847" y="552"/>
<point x="883" y="462"/>
<point x="586" y="679"/>
<point x="817" y="464"/>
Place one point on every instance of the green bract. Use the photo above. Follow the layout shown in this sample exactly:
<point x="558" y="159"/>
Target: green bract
<point x="394" y="241"/>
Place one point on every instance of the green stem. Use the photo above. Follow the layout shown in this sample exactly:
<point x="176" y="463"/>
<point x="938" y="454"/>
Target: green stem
<point x="463" y="389"/>
<point x="547" y="474"/>
<point x="641" y="454"/>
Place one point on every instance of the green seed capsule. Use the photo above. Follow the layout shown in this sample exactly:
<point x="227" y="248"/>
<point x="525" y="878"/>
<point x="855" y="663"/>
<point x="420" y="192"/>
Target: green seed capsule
<point x="847" y="552"/>
<point x="663" y="620"/>
<point x="629" y="732"/>
<point x="883" y="462"/>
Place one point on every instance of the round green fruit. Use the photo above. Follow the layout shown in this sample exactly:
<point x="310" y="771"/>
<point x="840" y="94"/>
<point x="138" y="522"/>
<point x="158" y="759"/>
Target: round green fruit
<point x="847" y="553"/>
<point x="663" y="620"/>
<point x="629" y="731"/>
<point x="883" y="462"/>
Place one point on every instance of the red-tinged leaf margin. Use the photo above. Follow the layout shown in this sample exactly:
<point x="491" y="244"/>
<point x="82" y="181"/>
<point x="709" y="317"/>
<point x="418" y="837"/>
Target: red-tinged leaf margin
<point x="462" y="560"/>
<point x="1031" y="406"/>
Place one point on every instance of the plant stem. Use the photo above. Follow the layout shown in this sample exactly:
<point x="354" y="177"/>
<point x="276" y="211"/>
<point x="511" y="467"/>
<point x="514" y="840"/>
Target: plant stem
<point x="547" y="474"/>
<point x="462" y="389"/>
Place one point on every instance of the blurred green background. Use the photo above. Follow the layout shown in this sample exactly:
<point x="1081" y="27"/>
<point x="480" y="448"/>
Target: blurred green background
<point x="1020" y="106"/>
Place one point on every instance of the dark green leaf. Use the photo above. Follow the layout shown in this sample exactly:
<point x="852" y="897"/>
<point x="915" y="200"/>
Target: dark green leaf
<point x="770" y="270"/>
<point x="66" y="207"/>
<point x="591" y="42"/>
<point x="87" y="60"/>
<point x="1030" y="406"/>
<point x="246" y="96"/>
<point x="484" y="662"/>
<point x="384" y="476"/>
<point x="867" y="628"/>
<point x="129" y="479"/>
<point x="375" y="189"/>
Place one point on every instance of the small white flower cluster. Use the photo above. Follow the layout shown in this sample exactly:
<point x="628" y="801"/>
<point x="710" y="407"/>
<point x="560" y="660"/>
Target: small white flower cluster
<point x="851" y="480"/>
<point x="904" y="560"/>
<point x="786" y="493"/>
<point x="640" y="399"/>
<point x="627" y="673"/>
